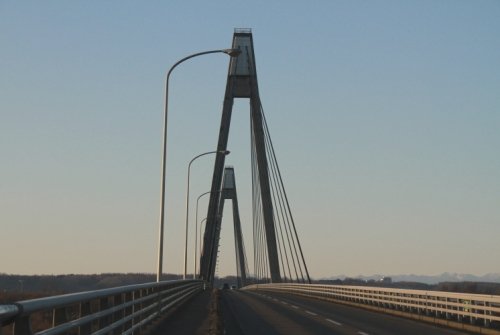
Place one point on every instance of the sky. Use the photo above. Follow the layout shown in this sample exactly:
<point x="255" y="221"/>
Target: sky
<point x="385" y="118"/>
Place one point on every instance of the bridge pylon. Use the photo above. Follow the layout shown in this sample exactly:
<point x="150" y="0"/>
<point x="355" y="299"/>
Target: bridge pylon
<point x="228" y="192"/>
<point x="241" y="83"/>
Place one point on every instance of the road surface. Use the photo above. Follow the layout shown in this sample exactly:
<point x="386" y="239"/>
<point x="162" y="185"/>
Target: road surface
<point x="265" y="313"/>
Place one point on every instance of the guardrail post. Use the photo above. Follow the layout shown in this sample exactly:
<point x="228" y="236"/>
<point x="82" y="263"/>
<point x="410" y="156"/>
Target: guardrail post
<point x="128" y="311"/>
<point x="473" y="311"/>
<point x="486" y="313"/>
<point x="136" y="307"/>
<point x="103" y="305"/>
<point x="59" y="316"/>
<point x="118" y="315"/>
<point x="142" y="293"/>
<point x="158" y="301"/>
<point x="85" y="310"/>
<point x="428" y="303"/>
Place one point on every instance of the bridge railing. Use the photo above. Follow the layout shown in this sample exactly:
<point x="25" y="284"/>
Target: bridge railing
<point x="120" y="310"/>
<point x="460" y="307"/>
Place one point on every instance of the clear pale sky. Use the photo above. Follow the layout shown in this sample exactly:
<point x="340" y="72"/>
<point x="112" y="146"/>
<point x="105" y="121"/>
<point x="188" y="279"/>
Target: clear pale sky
<point x="385" y="116"/>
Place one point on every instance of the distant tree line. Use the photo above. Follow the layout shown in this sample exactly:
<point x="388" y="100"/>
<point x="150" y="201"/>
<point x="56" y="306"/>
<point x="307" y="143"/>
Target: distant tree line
<point x="47" y="285"/>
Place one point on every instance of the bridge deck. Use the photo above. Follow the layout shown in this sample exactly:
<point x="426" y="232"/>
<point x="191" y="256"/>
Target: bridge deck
<point x="244" y="312"/>
<point x="272" y="313"/>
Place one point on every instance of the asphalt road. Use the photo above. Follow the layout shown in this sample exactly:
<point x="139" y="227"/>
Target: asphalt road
<point x="265" y="313"/>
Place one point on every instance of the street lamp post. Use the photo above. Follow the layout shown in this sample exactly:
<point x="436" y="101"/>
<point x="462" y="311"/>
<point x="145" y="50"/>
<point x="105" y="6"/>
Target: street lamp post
<point x="196" y="234"/>
<point x="226" y="152"/>
<point x="230" y="52"/>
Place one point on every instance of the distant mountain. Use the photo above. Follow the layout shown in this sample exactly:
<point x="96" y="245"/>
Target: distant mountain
<point x="427" y="279"/>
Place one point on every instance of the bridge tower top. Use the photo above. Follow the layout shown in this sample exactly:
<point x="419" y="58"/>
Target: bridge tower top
<point x="242" y="68"/>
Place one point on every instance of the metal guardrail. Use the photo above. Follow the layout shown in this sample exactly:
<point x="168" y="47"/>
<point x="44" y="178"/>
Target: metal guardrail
<point x="459" y="307"/>
<point x="120" y="310"/>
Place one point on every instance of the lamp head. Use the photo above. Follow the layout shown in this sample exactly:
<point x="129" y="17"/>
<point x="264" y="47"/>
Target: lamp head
<point x="232" y="52"/>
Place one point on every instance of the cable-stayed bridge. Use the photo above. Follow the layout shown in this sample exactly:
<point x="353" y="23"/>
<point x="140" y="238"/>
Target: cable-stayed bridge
<point x="276" y="296"/>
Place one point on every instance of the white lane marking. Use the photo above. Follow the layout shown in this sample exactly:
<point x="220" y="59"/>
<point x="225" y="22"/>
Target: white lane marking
<point x="363" y="333"/>
<point x="311" y="313"/>
<point x="284" y="303"/>
<point x="334" y="322"/>
<point x="294" y="306"/>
